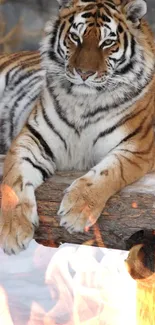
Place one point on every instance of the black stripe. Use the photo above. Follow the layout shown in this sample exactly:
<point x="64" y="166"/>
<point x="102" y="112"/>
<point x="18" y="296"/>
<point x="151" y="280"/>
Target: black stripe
<point x="88" y="1"/>
<point x="31" y="101"/>
<point x="115" y="51"/>
<point x="100" y="5"/>
<point x="130" y="65"/>
<point x="141" y="152"/>
<point x="113" y="59"/>
<point x="88" y="15"/>
<point x="7" y="77"/>
<point x="21" y="69"/>
<point x="22" y="93"/>
<point x="105" y="25"/>
<point x="132" y="134"/>
<point x="111" y="5"/>
<point x="134" y="92"/>
<point x="13" y="57"/>
<point x="51" y="53"/>
<point x="126" y="69"/>
<point x="39" y="137"/>
<point x="89" y="25"/>
<point x="130" y="161"/>
<point x="43" y="154"/>
<point x="71" y="19"/>
<point x="51" y="126"/>
<point x="120" y="29"/>
<point x="132" y="47"/>
<point x="120" y="123"/>
<point x="107" y="11"/>
<point x="112" y="34"/>
<point x="61" y="114"/>
<point x="136" y="131"/>
<point x="123" y="57"/>
<point x="52" y="56"/>
<point x="90" y="7"/>
<point x="105" y="18"/>
<point x="22" y="77"/>
<point x="59" y="49"/>
<point x="35" y="159"/>
<point x="12" y="113"/>
<point x="99" y="109"/>
<point x="121" y="168"/>
<point x="29" y="184"/>
<point x="45" y="175"/>
<point x="148" y="129"/>
<point x="61" y="29"/>
<point x="55" y="30"/>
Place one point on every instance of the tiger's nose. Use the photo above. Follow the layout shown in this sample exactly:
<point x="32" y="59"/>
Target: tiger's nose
<point x="84" y="74"/>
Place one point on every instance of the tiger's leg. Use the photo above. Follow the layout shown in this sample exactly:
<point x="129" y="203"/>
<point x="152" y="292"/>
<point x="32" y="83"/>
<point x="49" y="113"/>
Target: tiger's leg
<point x="28" y="163"/>
<point x="86" y="197"/>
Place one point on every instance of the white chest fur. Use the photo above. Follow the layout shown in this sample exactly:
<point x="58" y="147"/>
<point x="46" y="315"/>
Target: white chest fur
<point x="78" y="132"/>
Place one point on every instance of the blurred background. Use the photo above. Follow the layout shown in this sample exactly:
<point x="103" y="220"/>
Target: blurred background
<point x="22" y="22"/>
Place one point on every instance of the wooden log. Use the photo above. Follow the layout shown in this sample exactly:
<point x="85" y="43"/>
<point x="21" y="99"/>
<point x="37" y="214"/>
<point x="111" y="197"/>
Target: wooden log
<point x="125" y="214"/>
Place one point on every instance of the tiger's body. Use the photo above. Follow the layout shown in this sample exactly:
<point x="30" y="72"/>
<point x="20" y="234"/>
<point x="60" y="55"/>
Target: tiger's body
<point x="89" y="107"/>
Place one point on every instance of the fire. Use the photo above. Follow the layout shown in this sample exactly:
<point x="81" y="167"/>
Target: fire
<point x="9" y="198"/>
<point x="85" y="290"/>
<point x="146" y="301"/>
<point x="145" y="297"/>
<point x="98" y="236"/>
<point x="93" y="295"/>
<point x="134" y="205"/>
<point x="5" y="316"/>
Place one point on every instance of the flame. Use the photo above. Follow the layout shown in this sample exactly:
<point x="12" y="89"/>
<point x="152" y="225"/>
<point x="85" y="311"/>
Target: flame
<point x="98" y="236"/>
<point x="134" y="205"/>
<point x="4" y="309"/>
<point x="145" y="278"/>
<point x="9" y="198"/>
<point x="91" y="296"/>
<point x="146" y="301"/>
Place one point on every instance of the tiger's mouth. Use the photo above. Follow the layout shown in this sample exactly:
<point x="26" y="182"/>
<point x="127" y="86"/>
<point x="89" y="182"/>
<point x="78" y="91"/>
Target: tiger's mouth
<point x="91" y="82"/>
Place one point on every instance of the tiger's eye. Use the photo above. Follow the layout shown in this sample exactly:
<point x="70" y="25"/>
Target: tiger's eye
<point x="74" y="37"/>
<point x="108" y="42"/>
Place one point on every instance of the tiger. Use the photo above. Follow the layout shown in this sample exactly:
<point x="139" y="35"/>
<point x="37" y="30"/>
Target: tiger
<point x="84" y="102"/>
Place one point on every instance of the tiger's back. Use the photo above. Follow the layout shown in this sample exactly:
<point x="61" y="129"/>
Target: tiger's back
<point x="21" y="78"/>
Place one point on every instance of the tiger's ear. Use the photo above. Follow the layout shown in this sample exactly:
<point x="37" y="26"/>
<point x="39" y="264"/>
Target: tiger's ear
<point x="135" y="10"/>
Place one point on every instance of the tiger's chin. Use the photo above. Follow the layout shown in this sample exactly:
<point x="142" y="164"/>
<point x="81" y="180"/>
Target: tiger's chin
<point x="83" y="90"/>
<point x="80" y="87"/>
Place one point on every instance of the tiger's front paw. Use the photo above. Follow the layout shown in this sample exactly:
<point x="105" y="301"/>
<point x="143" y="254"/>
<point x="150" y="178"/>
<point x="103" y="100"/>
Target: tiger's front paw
<point x="17" y="227"/>
<point x="81" y="205"/>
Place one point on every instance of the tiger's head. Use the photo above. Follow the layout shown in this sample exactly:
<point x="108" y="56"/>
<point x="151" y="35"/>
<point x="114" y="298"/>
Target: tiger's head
<point x="95" y="43"/>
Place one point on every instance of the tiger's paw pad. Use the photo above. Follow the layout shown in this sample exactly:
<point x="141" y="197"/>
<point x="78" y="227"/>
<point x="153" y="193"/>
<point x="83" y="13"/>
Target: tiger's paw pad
<point x="80" y="206"/>
<point x="16" y="230"/>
